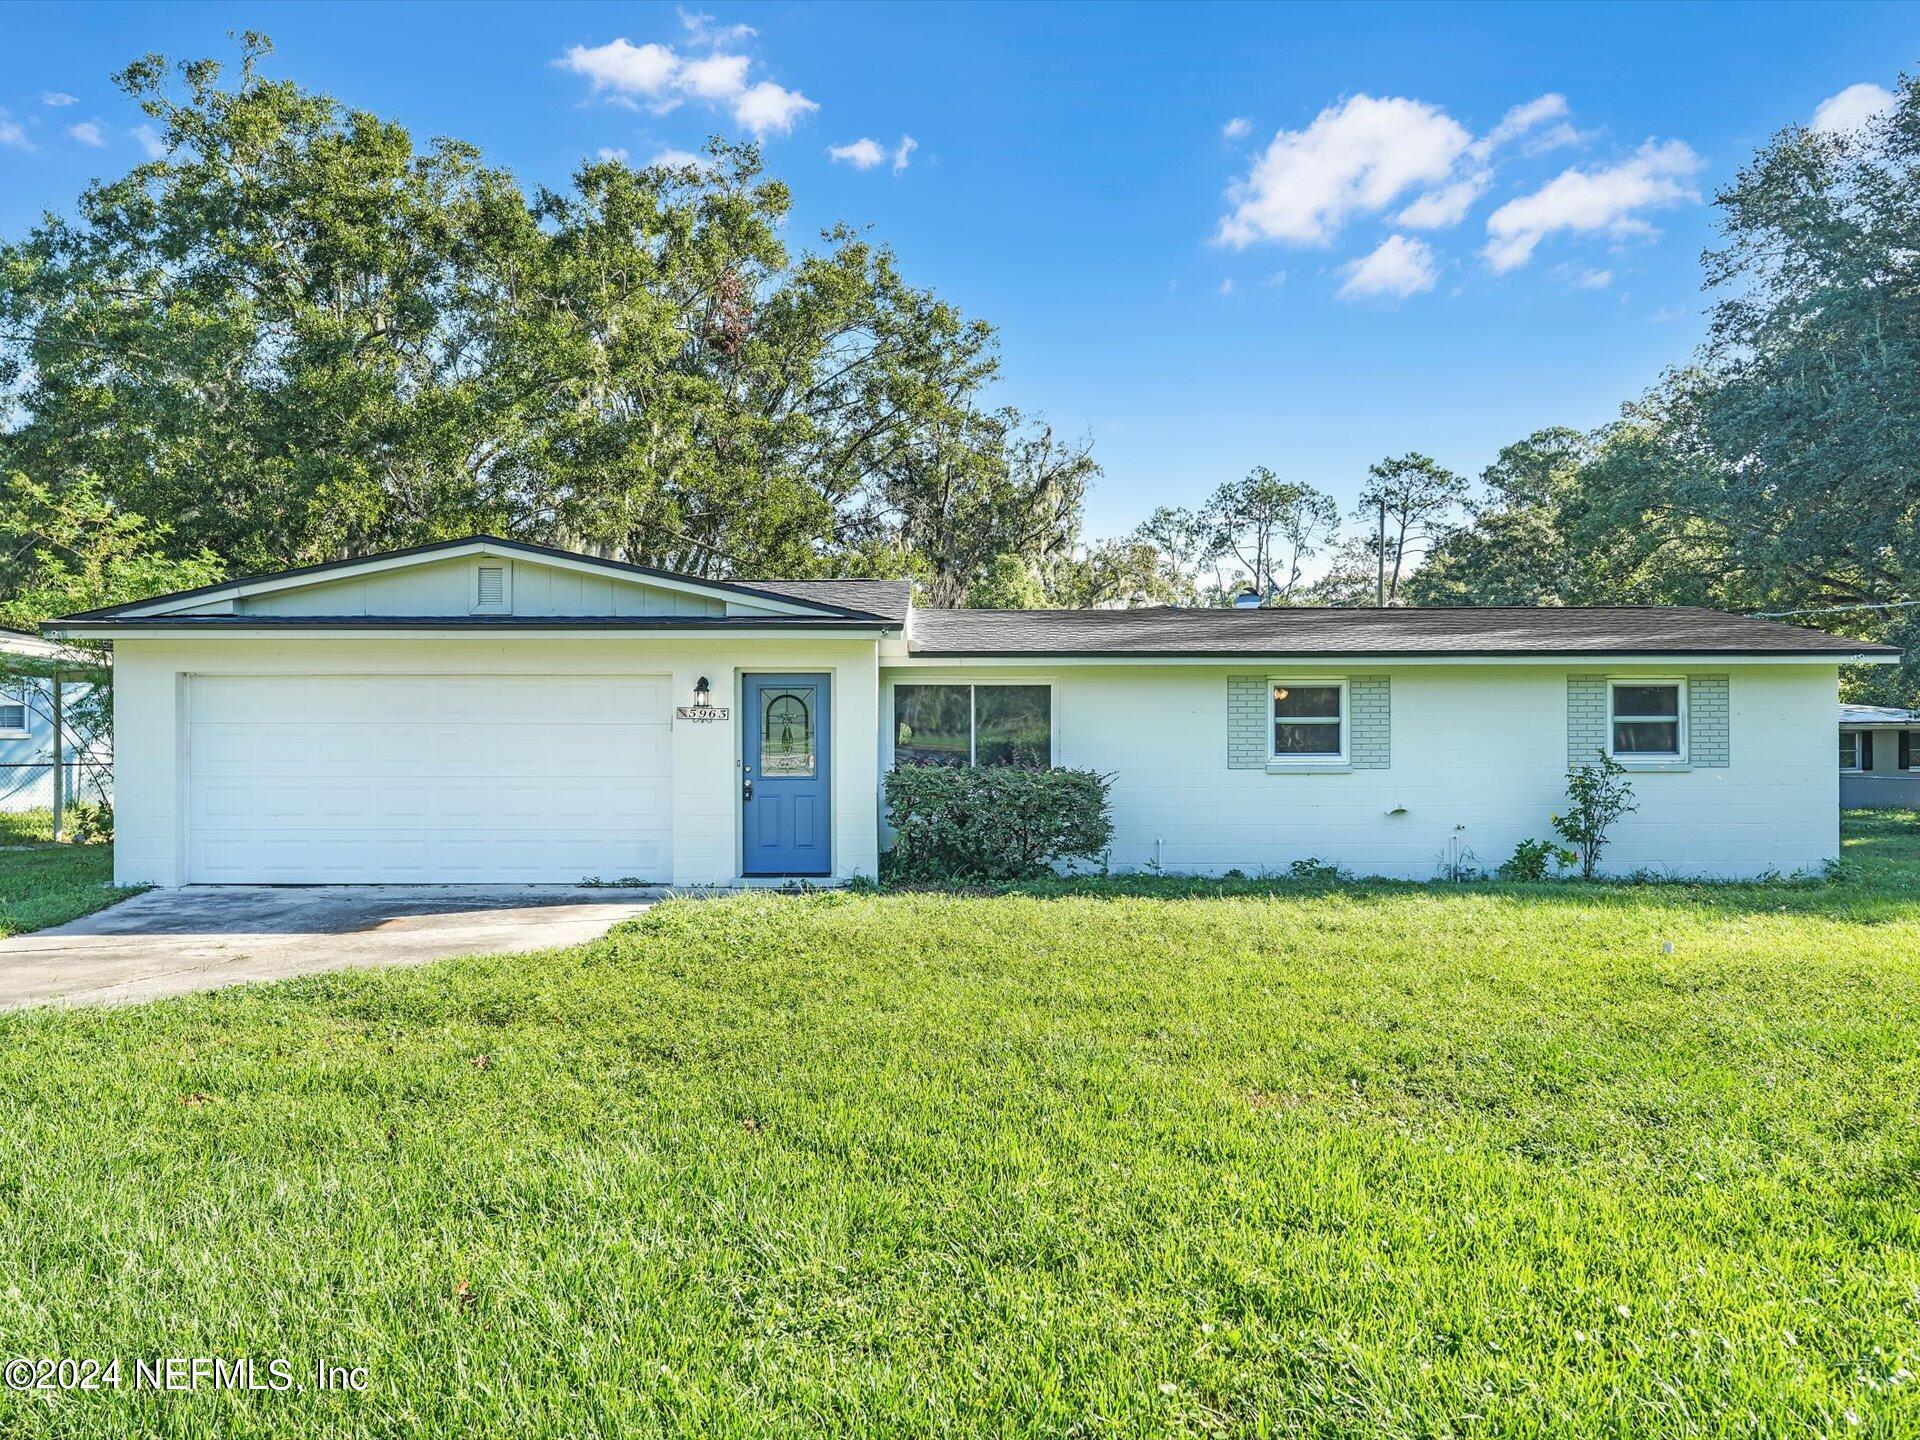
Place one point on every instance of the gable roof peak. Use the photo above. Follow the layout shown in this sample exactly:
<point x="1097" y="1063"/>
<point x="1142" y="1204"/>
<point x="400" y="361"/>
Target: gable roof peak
<point x="478" y="543"/>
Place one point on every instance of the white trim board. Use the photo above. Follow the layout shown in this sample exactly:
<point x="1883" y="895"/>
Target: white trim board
<point x="375" y="565"/>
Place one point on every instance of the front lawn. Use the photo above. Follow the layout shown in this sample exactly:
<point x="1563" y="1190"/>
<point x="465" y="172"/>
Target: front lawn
<point x="42" y="884"/>
<point x="1386" y="1160"/>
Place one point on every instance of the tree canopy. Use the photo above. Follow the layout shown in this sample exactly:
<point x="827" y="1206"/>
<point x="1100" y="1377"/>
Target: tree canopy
<point x="297" y="335"/>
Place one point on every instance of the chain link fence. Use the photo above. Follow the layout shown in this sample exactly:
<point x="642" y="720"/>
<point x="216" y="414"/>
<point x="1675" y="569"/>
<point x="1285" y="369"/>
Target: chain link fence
<point x="28" y="785"/>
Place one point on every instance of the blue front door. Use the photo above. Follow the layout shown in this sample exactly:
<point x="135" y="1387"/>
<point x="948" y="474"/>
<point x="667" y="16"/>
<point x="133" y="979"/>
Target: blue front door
<point x="784" y="808"/>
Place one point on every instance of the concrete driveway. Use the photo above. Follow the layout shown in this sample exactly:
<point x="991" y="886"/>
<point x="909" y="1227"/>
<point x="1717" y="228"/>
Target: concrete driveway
<point x="169" y="942"/>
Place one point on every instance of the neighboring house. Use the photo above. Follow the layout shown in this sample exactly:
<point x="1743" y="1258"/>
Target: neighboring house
<point x="482" y="710"/>
<point x="26" y="733"/>
<point x="1879" y="758"/>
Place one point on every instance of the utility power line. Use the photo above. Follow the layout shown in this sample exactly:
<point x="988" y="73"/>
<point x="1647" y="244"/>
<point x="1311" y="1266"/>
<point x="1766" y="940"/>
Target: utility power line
<point x="1832" y="609"/>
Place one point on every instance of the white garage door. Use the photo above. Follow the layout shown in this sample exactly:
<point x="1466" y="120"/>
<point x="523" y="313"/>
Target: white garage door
<point x="455" y="779"/>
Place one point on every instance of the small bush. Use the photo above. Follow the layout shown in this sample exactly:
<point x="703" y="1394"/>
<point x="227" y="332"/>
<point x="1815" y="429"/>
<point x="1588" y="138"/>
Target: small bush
<point x="1534" y="860"/>
<point x="92" y="824"/>
<point x="1597" y="795"/>
<point x="1314" y="871"/>
<point x="994" y="823"/>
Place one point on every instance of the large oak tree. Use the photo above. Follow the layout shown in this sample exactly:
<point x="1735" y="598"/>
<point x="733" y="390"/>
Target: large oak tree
<point x="297" y="335"/>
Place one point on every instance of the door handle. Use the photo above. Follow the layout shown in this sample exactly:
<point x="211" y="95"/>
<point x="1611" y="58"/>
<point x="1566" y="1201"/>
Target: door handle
<point x="746" y="790"/>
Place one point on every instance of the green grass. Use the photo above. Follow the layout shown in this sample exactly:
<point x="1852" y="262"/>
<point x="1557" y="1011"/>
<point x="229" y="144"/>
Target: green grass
<point x="1385" y="1160"/>
<point x="45" y="884"/>
<point x="26" y="827"/>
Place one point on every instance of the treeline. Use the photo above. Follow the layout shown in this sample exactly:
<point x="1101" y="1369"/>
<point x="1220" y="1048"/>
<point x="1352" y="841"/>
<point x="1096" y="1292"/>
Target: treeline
<point x="295" y="335"/>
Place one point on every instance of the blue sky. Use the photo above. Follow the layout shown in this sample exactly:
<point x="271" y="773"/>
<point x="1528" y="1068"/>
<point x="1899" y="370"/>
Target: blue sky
<point x="1212" y="237"/>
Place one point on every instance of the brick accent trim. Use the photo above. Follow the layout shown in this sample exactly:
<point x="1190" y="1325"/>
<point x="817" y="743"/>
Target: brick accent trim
<point x="1370" y="712"/>
<point x="1709" y="721"/>
<point x="1247" y="722"/>
<point x="1586" y="717"/>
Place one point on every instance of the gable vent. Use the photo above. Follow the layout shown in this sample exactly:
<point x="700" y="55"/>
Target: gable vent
<point x="490" y="588"/>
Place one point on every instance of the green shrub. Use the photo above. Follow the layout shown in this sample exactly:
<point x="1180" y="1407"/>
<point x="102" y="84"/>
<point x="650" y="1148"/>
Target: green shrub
<point x="1315" y="871"/>
<point x="1534" y="860"/>
<point x="92" y="824"/>
<point x="1598" y="795"/>
<point x="973" y="826"/>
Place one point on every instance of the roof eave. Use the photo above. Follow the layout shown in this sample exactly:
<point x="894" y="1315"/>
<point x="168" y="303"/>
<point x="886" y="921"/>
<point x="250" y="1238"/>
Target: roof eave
<point x="176" y="626"/>
<point x="1872" y="656"/>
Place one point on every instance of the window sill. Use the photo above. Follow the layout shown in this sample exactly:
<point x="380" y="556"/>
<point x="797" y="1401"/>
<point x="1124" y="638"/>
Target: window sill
<point x="1309" y="767"/>
<point x="16" y="734"/>
<point x="1645" y="763"/>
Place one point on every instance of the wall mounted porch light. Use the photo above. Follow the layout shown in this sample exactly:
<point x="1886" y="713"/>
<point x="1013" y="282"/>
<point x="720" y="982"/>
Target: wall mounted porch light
<point x="702" y="692"/>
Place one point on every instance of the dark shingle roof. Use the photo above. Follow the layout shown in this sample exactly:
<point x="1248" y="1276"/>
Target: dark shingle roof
<point x="888" y="599"/>
<point x="1517" y="630"/>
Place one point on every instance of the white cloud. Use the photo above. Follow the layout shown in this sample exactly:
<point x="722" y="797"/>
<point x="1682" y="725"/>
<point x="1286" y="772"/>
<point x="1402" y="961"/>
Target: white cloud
<point x="661" y="79"/>
<point x="1448" y="205"/>
<point x="1237" y="128"/>
<point x="1398" y="268"/>
<point x="630" y="70"/>
<point x="1226" y="287"/>
<point x="611" y="152"/>
<point x="714" y="77"/>
<point x="705" y="30"/>
<point x="767" y="107"/>
<point x="88" y="132"/>
<point x="679" y="159"/>
<point x="1583" y="277"/>
<point x="1556" y="137"/>
<point x="149" y="140"/>
<point x="57" y="98"/>
<point x="1437" y="209"/>
<point x="862" y="154"/>
<point x="11" y="132"/>
<point x="866" y="154"/>
<point x="1851" y="108"/>
<point x="1356" y="157"/>
<point x="1364" y="154"/>
<point x="1522" y="118"/>
<point x="1586" y="201"/>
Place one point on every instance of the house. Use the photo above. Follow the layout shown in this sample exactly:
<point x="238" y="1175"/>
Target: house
<point x="482" y="710"/>
<point x="1879" y="758"/>
<point x="27" y="708"/>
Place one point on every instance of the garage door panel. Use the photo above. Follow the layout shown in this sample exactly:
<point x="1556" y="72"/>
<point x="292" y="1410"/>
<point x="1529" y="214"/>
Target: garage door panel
<point x="230" y="749"/>
<point x="359" y="779"/>
<point x="423" y="856"/>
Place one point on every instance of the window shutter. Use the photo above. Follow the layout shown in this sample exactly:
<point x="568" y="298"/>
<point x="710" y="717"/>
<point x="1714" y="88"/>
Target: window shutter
<point x="1906" y="749"/>
<point x="1866" y="749"/>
